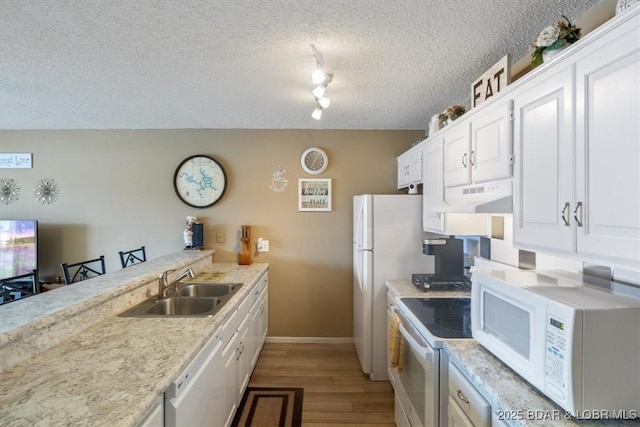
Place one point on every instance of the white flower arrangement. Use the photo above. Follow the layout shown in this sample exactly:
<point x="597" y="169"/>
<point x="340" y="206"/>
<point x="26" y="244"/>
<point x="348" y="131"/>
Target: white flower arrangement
<point x="554" y="37"/>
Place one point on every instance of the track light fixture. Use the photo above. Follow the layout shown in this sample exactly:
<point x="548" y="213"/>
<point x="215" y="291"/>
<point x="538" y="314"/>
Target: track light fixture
<point x="317" y="113"/>
<point x="321" y="79"/>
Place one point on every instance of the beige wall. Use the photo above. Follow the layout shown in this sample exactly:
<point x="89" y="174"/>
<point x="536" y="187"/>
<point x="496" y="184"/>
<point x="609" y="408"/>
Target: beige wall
<point x="116" y="193"/>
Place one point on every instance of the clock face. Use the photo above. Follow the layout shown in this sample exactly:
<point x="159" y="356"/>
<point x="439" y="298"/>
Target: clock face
<point x="314" y="161"/>
<point x="200" y="181"/>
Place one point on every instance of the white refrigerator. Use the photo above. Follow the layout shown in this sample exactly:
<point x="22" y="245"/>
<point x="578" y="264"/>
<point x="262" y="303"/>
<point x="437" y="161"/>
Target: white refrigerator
<point x="387" y="245"/>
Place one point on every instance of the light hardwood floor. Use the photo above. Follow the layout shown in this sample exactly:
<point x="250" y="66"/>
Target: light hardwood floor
<point x="336" y="392"/>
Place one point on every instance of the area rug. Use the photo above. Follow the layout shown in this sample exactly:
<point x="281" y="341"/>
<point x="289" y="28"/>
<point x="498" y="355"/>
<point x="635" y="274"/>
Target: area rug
<point x="270" y="407"/>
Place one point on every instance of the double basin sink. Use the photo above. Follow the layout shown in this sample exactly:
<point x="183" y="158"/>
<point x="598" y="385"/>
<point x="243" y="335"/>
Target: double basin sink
<point x="190" y="299"/>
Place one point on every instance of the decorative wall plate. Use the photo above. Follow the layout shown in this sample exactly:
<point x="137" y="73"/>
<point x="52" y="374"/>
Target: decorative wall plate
<point x="9" y="191"/>
<point x="200" y="181"/>
<point x="46" y="191"/>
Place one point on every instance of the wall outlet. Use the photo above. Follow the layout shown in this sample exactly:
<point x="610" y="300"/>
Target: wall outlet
<point x="263" y="245"/>
<point x="220" y="237"/>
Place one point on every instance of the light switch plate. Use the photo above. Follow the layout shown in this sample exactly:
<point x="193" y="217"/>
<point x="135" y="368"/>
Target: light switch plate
<point x="220" y="237"/>
<point x="263" y="245"/>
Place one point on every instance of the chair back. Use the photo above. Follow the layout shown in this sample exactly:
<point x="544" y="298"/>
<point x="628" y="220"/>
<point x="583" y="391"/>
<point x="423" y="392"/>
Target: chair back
<point x="135" y="256"/>
<point x="83" y="270"/>
<point x="17" y="287"/>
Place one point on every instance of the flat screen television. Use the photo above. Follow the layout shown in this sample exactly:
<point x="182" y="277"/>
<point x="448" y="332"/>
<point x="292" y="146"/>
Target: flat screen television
<point x="18" y="247"/>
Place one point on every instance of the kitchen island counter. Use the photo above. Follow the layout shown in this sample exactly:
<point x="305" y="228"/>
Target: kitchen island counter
<point x="113" y="372"/>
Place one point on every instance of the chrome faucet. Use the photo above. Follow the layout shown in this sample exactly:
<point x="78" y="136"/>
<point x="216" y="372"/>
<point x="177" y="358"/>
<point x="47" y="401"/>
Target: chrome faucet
<point x="164" y="285"/>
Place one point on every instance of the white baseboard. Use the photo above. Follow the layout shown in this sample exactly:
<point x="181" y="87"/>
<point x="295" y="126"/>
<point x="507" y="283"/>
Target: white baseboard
<point x="312" y="340"/>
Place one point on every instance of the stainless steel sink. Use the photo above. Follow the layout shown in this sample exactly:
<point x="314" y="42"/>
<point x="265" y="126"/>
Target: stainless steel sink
<point x="181" y="306"/>
<point x="200" y="299"/>
<point x="208" y="289"/>
<point x="175" y="307"/>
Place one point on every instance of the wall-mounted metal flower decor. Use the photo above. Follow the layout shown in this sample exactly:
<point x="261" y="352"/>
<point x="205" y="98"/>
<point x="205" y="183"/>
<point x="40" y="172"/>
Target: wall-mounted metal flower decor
<point x="46" y="191"/>
<point x="9" y="191"/>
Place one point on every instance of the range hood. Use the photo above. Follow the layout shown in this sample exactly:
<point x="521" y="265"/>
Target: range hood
<point x="481" y="198"/>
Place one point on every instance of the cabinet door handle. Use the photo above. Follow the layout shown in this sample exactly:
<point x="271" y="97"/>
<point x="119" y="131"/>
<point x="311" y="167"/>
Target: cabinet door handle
<point x="565" y="210"/>
<point x="575" y="214"/>
<point x="471" y="158"/>
<point x="464" y="160"/>
<point x="461" y="397"/>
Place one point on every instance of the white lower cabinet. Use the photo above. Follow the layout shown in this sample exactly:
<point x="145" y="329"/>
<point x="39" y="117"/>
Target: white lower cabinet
<point x="262" y="325"/>
<point x="466" y="407"/>
<point x="496" y="421"/>
<point x="258" y="322"/>
<point x="230" y="397"/>
<point x="210" y="389"/>
<point x="242" y="351"/>
<point x="155" y="416"/>
<point x="244" y="356"/>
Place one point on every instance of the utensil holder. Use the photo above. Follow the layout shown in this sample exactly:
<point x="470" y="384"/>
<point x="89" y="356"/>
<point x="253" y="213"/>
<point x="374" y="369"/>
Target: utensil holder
<point x="245" y="245"/>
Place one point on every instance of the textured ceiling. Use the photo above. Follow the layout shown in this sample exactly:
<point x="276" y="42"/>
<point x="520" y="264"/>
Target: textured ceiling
<point x="161" y="64"/>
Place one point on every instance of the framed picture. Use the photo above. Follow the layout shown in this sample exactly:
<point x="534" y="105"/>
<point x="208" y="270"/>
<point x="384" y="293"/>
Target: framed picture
<point x="314" y="194"/>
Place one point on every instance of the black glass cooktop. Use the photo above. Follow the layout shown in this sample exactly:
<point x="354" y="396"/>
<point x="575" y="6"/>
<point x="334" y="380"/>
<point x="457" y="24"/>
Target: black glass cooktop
<point x="443" y="317"/>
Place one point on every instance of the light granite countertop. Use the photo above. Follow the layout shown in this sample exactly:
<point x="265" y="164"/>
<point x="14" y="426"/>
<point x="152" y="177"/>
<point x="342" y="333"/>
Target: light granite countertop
<point x="508" y="394"/>
<point x="111" y="373"/>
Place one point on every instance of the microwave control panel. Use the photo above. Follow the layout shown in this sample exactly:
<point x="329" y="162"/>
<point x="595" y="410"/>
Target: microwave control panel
<point x="556" y="358"/>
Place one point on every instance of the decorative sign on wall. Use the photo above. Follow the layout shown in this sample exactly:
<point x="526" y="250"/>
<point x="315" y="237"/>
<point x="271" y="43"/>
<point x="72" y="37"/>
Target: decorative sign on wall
<point x="494" y="80"/>
<point x="279" y="183"/>
<point x="314" y="194"/>
<point x="16" y="161"/>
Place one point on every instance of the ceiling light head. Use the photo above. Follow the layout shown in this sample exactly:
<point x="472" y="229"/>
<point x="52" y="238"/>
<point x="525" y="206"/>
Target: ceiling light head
<point x="327" y="78"/>
<point x="323" y="102"/>
<point x="318" y="76"/>
<point x="317" y="113"/>
<point x="318" y="92"/>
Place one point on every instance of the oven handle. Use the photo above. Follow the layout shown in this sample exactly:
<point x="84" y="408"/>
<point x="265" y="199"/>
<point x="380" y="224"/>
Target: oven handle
<point x="418" y="344"/>
<point x="411" y="335"/>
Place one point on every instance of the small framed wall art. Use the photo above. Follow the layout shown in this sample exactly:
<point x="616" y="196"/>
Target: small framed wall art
<point x="314" y="194"/>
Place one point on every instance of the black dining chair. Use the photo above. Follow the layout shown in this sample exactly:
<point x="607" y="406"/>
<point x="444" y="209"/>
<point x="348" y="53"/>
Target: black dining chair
<point x="135" y="256"/>
<point x="83" y="270"/>
<point x="17" y="287"/>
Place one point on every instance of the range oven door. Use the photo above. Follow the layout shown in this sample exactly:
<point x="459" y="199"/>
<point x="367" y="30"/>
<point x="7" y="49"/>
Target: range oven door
<point x="417" y="382"/>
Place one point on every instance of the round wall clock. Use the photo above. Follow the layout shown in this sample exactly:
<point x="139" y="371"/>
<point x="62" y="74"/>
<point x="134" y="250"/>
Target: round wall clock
<point x="314" y="160"/>
<point x="200" y="181"/>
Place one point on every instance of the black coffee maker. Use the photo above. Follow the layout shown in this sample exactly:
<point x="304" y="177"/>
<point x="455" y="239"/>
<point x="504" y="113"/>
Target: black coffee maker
<point x="448" y="254"/>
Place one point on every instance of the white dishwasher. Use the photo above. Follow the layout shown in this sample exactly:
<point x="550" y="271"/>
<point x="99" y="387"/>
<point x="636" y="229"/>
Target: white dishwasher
<point x="196" y="397"/>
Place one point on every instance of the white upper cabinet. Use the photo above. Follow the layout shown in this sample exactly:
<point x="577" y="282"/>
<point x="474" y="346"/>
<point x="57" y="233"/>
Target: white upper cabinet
<point x="433" y="195"/>
<point x="410" y="167"/>
<point x="479" y="149"/>
<point x="543" y="191"/>
<point x="577" y="166"/>
<point x="608" y="145"/>
<point x="491" y="145"/>
<point x="432" y="186"/>
<point x="457" y="147"/>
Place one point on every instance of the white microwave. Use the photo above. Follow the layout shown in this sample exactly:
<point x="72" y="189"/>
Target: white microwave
<point x="577" y="343"/>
